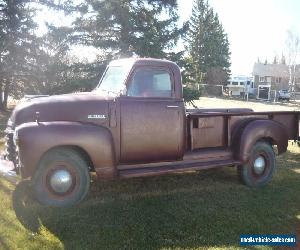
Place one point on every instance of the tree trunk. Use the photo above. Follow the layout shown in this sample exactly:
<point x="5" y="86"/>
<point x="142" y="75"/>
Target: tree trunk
<point x="1" y="95"/>
<point x="5" y="97"/>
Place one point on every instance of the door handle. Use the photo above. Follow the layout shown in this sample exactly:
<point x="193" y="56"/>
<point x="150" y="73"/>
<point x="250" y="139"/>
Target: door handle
<point x="172" y="106"/>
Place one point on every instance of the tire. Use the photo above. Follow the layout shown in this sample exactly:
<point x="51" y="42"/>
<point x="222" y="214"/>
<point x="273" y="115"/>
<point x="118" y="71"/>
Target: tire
<point x="259" y="169"/>
<point x="62" y="178"/>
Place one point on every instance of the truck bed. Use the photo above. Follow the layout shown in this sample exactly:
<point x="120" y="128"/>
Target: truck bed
<point x="217" y="127"/>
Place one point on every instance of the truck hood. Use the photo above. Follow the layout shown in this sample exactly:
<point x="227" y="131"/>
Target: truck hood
<point x="91" y="107"/>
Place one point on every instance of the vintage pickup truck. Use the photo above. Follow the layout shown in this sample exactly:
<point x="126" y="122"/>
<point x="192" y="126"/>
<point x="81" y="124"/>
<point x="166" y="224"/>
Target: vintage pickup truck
<point x="135" y="124"/>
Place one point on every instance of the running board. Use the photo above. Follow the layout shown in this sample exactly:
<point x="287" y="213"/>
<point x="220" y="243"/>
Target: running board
<point x="176" y="167"/>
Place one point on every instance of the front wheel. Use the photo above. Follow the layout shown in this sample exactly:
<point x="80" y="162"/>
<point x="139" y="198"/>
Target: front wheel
<point x="62" y="178"/>
<point x="260" y="167"/>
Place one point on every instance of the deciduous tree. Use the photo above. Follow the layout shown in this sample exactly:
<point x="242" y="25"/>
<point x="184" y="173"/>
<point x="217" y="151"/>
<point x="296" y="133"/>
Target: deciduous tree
<point x="293" y="52"/>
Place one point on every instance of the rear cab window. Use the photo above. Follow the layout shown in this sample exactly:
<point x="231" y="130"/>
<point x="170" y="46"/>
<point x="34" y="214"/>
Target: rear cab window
<point x="150" y="82"/>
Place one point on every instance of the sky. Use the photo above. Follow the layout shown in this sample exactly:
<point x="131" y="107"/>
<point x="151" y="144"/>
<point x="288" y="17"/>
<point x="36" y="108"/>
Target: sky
<point x="255" y="28"/>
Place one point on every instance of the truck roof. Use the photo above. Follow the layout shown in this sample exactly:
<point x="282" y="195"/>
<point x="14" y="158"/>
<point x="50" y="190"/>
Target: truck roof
<point x="142" y="61"/>
<point x="133" y="62"/>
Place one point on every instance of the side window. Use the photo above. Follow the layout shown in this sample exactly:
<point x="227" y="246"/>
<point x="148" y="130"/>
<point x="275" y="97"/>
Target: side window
<point x="150" y="83"/>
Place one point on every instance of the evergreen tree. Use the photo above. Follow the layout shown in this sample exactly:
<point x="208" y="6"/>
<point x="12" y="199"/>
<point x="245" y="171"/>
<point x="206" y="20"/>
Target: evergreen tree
<point x="18" y="47"/>
<point x="58" y="72"/>
<point x="126" y="27"/>
<point x="207" y="45"/>
<point x="39" y="65"/>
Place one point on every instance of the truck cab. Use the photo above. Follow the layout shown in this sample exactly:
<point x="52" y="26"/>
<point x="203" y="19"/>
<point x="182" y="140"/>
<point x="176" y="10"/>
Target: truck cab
<point x="134" y="124"/>
<point x="151" y="112"/>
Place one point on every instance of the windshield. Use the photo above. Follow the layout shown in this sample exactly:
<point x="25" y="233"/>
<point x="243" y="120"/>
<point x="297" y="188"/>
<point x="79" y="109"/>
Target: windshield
<point x="113" y="79"/>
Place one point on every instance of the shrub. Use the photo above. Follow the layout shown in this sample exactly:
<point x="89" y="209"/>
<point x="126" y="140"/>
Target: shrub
<point x="190" y="94"/>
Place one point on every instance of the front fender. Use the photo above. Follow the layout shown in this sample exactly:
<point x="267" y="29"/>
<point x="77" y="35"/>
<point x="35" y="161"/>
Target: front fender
<point x="261" y="129"/>
<point x="36" y="139"/>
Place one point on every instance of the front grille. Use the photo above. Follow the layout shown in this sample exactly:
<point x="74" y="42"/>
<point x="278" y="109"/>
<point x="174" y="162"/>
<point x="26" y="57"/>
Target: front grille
<point x="10" y="148"/>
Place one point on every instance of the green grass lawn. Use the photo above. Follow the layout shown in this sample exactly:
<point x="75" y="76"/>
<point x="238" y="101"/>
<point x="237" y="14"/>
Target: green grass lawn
<point x="204" y="210"/>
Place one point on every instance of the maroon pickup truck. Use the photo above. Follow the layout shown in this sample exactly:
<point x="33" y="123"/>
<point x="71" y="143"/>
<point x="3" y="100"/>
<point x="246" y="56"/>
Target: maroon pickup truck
<point x="135" y="124"/>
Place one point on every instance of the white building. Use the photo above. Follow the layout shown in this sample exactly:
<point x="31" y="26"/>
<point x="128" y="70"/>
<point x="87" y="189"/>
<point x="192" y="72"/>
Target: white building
<point x="241" y="85"/>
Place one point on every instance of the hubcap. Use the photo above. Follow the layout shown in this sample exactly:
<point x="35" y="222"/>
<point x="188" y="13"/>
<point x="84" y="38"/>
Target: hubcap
<point x="259" y="165"/>
<point x="61" y="181"/>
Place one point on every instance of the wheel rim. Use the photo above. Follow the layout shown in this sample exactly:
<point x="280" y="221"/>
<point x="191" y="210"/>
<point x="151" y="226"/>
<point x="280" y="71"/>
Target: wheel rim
<point x="259" y="165"/>
<point x="61" y="181"/>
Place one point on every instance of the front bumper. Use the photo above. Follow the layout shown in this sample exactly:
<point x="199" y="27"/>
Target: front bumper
<point x="7" y="170"/>
<point x="9" y="167"/>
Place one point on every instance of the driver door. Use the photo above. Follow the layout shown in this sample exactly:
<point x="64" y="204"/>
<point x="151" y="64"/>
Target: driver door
<point x="152" y="119"/>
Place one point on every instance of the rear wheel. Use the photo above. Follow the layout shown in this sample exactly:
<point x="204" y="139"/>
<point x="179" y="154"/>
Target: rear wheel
<point x="260" y="167"/>
<point x="62" y="178"/>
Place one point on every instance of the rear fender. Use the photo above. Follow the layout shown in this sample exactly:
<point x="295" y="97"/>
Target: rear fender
<point x="34" y="140"/>
<point x="260" y="130"/>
